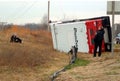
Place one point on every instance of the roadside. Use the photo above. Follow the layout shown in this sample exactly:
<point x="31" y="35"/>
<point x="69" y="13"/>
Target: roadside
<point x="105" y="68"/>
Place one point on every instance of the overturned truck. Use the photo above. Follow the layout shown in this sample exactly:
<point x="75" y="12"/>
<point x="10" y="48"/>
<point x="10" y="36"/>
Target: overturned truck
<point x="80" y="33"/>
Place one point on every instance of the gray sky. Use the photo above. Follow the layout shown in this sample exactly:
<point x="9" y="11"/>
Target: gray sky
<point x="32" y="11"/>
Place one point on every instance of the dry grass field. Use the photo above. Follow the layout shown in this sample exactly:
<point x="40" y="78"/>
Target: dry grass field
<point x="36" y="60"/>
<point x="33" y="60"/>
<point x="105" y="68"/>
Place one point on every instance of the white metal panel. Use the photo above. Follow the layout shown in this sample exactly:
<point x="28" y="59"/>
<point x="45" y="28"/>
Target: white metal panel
<point x="82" y="38"/>
<point x="70" y="39"/>
<point x="62" y="37"/>
<point x="65" y="36"/>
<point x="106" y="35"/>
<point x="54" y="33"/>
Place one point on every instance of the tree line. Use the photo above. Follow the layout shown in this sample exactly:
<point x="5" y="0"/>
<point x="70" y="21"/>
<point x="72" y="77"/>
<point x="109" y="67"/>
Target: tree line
<point x="33" y="26"/>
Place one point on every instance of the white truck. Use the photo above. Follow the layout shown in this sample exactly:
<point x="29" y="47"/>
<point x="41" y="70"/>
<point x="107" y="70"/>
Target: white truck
<point x="80" y="33"/>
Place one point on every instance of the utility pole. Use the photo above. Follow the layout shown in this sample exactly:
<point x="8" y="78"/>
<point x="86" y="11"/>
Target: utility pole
<point x="113" y="13"/>
<point x="48" y="14"/>
<point x="113" y="8"/>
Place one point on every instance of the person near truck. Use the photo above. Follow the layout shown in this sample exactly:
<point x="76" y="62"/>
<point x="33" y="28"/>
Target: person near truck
<point x="98" y="41"/>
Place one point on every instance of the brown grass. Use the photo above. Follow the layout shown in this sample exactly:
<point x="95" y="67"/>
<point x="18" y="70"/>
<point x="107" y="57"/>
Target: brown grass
<point x="105" y="68"/>
<point x="34" y="50"/>
<point x="33" y="60"/>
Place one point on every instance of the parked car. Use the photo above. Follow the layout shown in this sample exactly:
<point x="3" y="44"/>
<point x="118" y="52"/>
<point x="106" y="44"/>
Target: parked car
<point x="118" y="38"/>
<point x="118" y="34"/>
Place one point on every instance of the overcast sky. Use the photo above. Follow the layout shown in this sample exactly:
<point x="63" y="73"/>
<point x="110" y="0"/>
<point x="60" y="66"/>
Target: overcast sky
<point x="32" y="11"/>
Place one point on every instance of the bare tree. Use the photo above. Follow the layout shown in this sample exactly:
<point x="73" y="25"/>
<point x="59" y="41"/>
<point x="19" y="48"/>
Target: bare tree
<point x="44" y="22"/>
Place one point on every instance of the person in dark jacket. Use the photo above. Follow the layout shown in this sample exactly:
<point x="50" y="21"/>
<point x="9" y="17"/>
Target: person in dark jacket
<point x="98" y="41"/>
<point x="15" y="39"/>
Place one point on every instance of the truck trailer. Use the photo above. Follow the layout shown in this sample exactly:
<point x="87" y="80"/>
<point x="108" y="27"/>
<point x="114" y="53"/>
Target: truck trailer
<point x="80" y="33"/>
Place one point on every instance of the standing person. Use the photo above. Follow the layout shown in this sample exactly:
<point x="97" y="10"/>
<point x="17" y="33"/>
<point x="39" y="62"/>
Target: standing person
<point x="98" y="41"/>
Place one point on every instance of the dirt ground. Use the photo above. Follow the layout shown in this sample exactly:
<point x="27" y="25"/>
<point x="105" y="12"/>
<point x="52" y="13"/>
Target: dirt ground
<point x="105" y="68"/>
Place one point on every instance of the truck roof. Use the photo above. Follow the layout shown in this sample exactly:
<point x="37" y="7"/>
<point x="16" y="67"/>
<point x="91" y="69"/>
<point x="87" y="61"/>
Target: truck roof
<point x="78" y="20"/>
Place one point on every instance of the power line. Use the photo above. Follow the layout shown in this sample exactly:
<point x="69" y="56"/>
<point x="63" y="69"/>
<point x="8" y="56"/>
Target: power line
<point x="27" y="9"/>
<point x="23" y="11"/>
<point x="17" y="9"/>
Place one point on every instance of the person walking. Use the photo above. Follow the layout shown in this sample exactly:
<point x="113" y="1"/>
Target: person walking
<point x="98" y="41"/>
